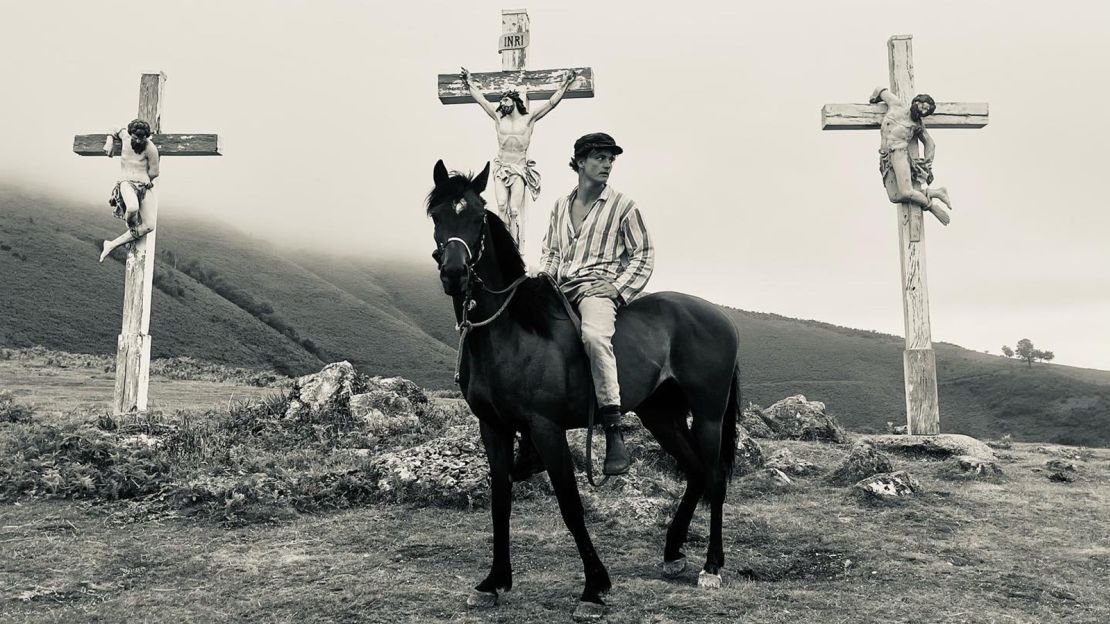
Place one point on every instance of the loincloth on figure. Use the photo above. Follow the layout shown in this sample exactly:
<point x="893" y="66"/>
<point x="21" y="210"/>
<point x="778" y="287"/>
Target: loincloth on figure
<point x="920" y="169"/>
<point x="120" y="208"/>
<point x="505" y="172"/>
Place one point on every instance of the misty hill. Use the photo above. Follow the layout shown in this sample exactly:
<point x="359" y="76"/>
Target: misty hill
<point x="226" y="297"/>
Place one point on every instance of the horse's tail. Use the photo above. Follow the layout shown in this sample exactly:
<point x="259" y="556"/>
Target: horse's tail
<point x="729" y="424"/>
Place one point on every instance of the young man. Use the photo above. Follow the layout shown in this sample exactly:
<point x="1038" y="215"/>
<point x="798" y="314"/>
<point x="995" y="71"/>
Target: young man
<point x="599" y="252"/>
<point x="512" y="168"/>
<point x="138" y="168"/>
<point x="900" y="131"/>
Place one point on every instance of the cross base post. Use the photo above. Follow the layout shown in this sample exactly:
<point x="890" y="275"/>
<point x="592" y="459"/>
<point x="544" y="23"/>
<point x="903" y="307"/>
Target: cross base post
<point x="922" y="406"/>
<point x="132" y="373"/>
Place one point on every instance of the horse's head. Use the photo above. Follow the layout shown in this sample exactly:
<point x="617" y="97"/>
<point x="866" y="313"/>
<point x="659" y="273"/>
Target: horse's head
<point x="459" y="214"/>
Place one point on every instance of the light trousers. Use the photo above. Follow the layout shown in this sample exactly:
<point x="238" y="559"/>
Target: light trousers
<point x="599" y="316"/>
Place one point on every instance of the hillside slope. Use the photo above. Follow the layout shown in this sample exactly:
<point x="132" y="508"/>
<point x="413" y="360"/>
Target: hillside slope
<point x="226" y="297"/>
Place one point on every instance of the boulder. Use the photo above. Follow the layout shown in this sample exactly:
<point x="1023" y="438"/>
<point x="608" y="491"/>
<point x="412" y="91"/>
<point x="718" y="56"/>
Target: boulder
<point x="445" y="472"/>
<point x="399" y="386"/>
<point x="862" y="461"/>
<point x="784" y="460"/>
<point x="751" y="420"/>
<point x="1062" y="470"/>
<point x="382" y="414"/>
<point x="970" y="467"/>
<point x="332" y="386"/>
<point x="795" y="418"/>
<point x="887" y="486"/>
<point x="944" y="445"/>
<point x="749" y="455"/>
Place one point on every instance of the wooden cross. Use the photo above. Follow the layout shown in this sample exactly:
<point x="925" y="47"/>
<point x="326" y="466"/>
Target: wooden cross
<point x="541" y="84"/>
<point x="133" y="344"/>
<point x="918" y="359"/>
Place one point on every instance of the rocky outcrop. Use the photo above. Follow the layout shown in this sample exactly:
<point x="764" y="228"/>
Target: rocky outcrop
<point x="887" y="486"/>
<point x="795" y="418"/>
<point x="448" y="472"/>
<point x="941" y="446"/>
<point x="862" y="461"/>
<point x="332" y="387"/>
<point x="784" y="460"/>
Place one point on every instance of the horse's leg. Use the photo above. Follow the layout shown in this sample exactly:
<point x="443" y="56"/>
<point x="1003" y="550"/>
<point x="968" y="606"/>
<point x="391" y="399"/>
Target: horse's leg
<point x="499" y="452"/>
<point x="670" y="431"/>
<point x="551" y="442"/>
<point x="707" y="431"/>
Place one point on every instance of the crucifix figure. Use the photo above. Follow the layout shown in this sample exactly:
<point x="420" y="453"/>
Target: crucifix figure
<point x="511" y="89"/>
<point x="891" y="111"/>
<point x="512" y="168"/>
<point x="136" y="201"/>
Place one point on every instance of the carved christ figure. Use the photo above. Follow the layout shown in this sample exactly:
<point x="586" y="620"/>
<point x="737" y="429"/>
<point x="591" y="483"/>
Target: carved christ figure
<point x="514" y="122"/>
<point x="138" y="168"/>
<point x="901" y="130"/>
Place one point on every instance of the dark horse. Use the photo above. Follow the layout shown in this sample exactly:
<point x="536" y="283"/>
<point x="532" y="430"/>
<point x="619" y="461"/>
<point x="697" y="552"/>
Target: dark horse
<point x="522" y="368"/>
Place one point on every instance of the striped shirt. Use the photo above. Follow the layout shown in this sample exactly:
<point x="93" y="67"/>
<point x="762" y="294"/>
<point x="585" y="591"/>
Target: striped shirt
<point x="612" y="245"/>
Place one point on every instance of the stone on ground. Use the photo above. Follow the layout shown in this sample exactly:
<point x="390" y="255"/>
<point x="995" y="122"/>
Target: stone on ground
<point x="784" y="460"/>
<point x="444" y="472"/>
<point x="970" y="467"/>
<point x="943" y="445"/>
<point x="766" y="481"/>
<point x="332" y="386"/>
<point x="887" y="486"/>
<point x="862" y="461"/>
<point x="795" y="418"/>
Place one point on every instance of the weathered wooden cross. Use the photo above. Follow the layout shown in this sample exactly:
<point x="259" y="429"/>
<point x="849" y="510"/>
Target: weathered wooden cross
<point x="918" y="359"/>
<point x="133" y="344"/>
<point x="541" y="84"/>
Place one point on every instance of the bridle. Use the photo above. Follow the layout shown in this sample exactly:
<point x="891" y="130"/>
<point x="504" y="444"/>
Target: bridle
<point x="465" y="325"/>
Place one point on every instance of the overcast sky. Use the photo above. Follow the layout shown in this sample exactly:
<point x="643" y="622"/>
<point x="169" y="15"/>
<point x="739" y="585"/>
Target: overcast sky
<point x="330" y="125"/>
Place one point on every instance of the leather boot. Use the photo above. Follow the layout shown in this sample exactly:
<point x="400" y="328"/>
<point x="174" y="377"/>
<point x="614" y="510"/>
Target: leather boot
<point x="617" y="460"/>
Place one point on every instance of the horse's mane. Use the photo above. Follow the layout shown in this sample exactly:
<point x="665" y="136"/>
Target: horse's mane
<point x="535" y="305"/>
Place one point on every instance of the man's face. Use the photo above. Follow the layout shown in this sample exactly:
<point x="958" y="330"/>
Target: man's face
<point x="506" y="106"/>
<point x="921" y="108"/>
<point x="598" y="165"/>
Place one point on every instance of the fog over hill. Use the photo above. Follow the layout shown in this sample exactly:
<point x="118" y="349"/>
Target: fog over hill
<point x="225" y="296"/>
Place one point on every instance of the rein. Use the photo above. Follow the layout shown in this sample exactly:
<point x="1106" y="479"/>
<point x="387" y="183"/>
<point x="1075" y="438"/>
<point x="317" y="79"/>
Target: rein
<point x="465" y="325"/>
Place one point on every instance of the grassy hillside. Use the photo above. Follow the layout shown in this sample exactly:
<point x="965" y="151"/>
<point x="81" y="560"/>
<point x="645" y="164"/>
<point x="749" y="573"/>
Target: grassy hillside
<point x="226" y="297"/>
<point x="219" y="296"/>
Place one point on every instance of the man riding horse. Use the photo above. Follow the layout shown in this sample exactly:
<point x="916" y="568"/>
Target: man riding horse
<point x="600" y="254"/>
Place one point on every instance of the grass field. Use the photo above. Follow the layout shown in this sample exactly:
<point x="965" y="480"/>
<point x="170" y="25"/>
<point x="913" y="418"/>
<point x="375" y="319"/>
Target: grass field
<point x="1026" y="549"/>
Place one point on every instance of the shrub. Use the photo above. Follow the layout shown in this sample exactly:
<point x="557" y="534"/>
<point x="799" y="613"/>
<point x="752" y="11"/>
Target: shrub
<point x="13" y="412"/>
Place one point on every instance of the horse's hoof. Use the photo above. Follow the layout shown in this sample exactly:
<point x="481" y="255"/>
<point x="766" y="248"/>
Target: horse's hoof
<point x="587" y="611"/>
<point x="481" y="600"/>
<point x="672" y="569"/>
<point x="709" y="581"/>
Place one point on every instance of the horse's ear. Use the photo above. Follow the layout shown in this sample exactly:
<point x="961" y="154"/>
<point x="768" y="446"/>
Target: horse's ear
<point x="479" y="183"/>
<point x="439" y="174"/>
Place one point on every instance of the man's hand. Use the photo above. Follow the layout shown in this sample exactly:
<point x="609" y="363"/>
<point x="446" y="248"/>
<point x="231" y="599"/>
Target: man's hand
<point x="601" y="289"/>
<point x="465" y="75"/>
<point x="571" y="76"/>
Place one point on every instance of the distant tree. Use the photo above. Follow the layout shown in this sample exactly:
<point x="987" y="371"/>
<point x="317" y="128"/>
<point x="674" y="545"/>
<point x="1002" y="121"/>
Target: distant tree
<point x="1007" y="351"/>
<point x="1025" y="351"/>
